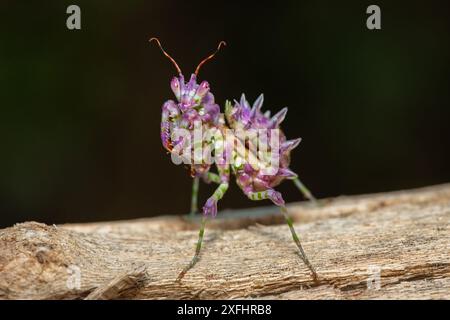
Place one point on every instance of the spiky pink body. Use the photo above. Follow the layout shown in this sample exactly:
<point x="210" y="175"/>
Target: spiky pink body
<point x="242" y="116"/>
<point x="195" y="105"/>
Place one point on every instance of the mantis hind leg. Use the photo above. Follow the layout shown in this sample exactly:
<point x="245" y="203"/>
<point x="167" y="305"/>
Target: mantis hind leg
<point x="278" y="200"/>
<point x="209" y="177"/>
<point x="197" y="250"/>
<point x="304" y="190"/>
<point x="297" y="242"/>
<point x="210" y="208"/>
<point x="194" y="196"/>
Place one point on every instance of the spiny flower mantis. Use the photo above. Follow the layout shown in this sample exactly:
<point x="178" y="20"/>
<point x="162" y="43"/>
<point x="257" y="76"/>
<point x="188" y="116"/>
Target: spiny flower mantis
<point x="195" y="108"/>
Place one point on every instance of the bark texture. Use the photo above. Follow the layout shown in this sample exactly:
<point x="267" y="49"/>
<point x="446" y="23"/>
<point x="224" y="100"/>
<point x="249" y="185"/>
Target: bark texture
<point x="390" y="245"/>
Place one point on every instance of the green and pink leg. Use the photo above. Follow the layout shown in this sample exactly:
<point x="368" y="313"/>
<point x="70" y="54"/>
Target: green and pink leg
<point x="304" y="190"/>
<point x="196" y="181"/>
<point x="194" y="196"/>
<point x="286" y="172"/>
<point x="210" y="208"/>
<point x="208" y="178"/>
<point x="277" y="199"/>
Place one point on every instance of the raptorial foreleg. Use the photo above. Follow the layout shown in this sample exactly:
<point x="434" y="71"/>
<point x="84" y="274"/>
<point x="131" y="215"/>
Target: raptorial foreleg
<point x="170" y="113"/>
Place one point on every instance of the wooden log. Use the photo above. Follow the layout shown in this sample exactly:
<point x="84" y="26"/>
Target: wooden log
<point x="390" y="245"/>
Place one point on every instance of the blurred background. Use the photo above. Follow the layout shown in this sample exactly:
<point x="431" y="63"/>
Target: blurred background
<point x="80" y="110"/>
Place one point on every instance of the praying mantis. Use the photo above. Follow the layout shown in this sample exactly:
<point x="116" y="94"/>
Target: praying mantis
<point x="195" y="108"/>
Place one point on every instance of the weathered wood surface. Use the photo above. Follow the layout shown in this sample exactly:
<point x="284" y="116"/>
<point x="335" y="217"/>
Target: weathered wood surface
<point x="404" y="235"/>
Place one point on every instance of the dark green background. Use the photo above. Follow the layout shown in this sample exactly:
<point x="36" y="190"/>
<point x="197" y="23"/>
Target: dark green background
<point x="80" y="110"/>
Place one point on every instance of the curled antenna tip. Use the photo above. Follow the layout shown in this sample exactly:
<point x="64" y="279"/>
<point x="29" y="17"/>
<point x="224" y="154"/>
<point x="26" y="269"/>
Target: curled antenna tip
<point x="156" y="40"/>
<point x="221" y="43"/>
<point x="166" y="54"/>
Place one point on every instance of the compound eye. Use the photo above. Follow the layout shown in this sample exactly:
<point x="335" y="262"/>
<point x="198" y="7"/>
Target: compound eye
<point x="176" y="87"/>
<point x="202" y="89"/>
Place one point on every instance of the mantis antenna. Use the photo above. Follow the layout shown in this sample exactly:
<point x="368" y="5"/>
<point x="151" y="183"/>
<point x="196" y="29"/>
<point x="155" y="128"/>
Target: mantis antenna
<point x="166" y="54"/>
<point x="221" y="43"/>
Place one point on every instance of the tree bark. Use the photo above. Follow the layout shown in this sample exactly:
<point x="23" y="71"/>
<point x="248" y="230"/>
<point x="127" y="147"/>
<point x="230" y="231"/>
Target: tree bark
<point x="382" y="246"/>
